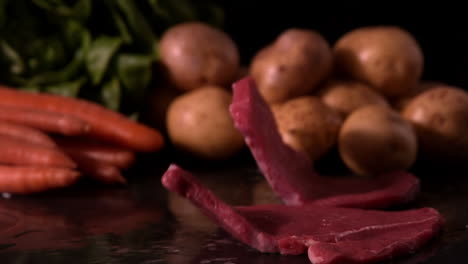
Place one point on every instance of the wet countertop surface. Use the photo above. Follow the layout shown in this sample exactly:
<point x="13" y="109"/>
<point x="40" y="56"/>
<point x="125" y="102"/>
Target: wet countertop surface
<point x="143" y="223"/>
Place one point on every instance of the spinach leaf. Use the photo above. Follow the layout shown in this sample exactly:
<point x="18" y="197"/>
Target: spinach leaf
<point x="120" y="23"/>
<point x="99" y="56"/>
<point x="134" y="71"/>
<point x="144" y="36"/>
<point x="70" y="89"/>
<point x="173" y="12"/>
<point x="110" y="94"/>
<point x="81" y="10"/>
<point x="11" y="58"/>
<point x="68" y="72"/>
<point x="48" y="53"/>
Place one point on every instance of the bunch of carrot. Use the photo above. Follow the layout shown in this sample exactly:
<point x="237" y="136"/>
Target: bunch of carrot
<point x="48" y="141"/>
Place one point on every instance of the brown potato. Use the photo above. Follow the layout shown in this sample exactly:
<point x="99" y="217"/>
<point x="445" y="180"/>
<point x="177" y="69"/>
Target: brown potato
<point x="199" y="123"/>
<point x="375" y="139"/>
<point x="307" y="125"/>
<point x="292" y="66"/>
<point x="440" y="117"/>
<point x="400" y="102"/>
<point x="387" y="58"/>
<point x="346" y="96"/>
<point x="196" y="54"/>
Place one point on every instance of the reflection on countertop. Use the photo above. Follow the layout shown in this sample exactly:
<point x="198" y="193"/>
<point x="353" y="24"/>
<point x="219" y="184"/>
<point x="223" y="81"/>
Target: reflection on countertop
<point x="142" y="223"/>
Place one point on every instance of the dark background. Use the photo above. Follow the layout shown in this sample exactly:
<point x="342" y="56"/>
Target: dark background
<point x="441" y="28"/>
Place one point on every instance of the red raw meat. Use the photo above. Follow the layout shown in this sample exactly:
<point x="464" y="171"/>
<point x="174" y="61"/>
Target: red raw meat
<point x="291" y="174"/>
<point x="329" y="234"/>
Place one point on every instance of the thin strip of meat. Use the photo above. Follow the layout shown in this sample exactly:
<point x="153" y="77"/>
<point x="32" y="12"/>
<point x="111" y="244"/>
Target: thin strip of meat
<point x="291" y="174"/>
<point x="329" y="235"/>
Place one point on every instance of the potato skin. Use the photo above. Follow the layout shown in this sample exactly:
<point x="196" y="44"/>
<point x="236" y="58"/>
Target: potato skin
<point x="347" y="96"/>
<point x="440" y="117"/>
<point x="307" y="125"/>
<point x="199" y="123"/>
<point x="387" y="58"/>
<point x="375" y="139"/>
<point x="196" y="54"/>
<point x="292" y="66"/>
<point x="401" y="102"/>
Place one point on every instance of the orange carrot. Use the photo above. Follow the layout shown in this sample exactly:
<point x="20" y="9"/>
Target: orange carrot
<point x="105" y="124"/>
<point x="25" y="133"/>
<point x="117" y="156"/>
<point x="44" y="120"/>
<point x="100" y="171"/>
<point x="26" y="180"/>
<point x="18" y="152"/>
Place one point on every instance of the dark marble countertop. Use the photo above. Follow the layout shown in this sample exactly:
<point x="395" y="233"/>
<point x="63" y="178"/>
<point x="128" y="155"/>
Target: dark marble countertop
<point x="143" y="223"/>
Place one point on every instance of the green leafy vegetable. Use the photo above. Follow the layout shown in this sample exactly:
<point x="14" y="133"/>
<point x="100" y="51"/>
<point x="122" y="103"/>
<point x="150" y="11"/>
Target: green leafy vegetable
<point x="99" y="50"/>
<point x="11" y="57"/>
<point x="99" y="56"/>
<point x="135" y="73"/>
<point x="145" y="39"/>
<point x="110" y="94"/>
<point x="70" y="89"/>
<point x="81" y="10"/>
<point x="120" y="25"/>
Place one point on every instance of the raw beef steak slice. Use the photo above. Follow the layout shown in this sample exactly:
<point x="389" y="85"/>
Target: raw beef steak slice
<point x="291" y="174"/>
<point x="329" y="234"/>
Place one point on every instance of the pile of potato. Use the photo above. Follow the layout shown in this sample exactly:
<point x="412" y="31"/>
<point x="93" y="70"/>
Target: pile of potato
<point x="363" y="95"/>
<point x="201" y="63"/>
